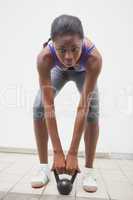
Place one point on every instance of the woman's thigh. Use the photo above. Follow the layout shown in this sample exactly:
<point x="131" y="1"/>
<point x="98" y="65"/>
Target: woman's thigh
<point x="58" y="79"/>
<point x="93" y="114"/>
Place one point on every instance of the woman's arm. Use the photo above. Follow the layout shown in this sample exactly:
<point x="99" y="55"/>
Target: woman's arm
<point x="44" y="63"/>
<point x="93" y="68"/>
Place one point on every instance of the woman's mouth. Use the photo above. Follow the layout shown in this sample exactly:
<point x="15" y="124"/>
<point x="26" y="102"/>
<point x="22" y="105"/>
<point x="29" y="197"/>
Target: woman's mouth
<point x="69" y="64"/>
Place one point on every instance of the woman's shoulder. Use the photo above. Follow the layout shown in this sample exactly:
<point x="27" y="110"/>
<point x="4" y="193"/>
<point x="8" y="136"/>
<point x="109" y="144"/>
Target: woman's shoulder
<point x="88" y="43"/>
<point x="45" y="57"/>
<point x="44" y="53"/>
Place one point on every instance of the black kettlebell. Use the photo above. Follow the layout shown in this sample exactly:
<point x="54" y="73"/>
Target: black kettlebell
<point x="64" y="185"/>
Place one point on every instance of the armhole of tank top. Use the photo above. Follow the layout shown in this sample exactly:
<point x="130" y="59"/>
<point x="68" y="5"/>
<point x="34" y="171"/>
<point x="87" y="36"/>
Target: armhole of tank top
<point x="86" y="52"/>
<point x="52" y="53"/>
<point x="56" y="61"/>
<point x="89" y="50"/>
<point x="83" y="54"/>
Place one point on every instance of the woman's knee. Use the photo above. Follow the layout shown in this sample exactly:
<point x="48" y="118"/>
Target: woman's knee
<point x="38" y="112"/>
<point x="93" y="117"/>
<point x="93" y="114"/>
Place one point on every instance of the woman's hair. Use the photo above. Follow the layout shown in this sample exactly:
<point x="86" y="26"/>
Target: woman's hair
<point x="65" y="24"/>
<point x="45" y="43"/>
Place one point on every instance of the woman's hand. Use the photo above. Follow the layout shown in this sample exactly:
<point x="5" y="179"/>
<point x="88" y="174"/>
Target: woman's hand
<point x="59" y="163"/>
<point x="72" y="164"/>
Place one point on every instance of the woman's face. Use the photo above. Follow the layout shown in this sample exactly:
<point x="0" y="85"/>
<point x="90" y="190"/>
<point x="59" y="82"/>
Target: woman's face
<point x="68" y="49"/>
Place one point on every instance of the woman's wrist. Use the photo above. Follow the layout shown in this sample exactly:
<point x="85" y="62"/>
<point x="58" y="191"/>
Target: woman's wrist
<point x="58" y="151"/>
<point x="73" y="152"/>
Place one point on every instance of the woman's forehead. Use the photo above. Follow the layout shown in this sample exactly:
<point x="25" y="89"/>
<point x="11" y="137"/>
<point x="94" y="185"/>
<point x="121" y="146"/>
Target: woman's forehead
<point x="68" y="40"/>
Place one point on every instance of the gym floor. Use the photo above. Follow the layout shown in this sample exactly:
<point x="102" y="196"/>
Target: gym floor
<point x="114" y="177"/>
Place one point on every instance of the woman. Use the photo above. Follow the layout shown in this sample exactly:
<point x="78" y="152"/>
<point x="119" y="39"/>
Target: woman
<point x="67" y="56"/>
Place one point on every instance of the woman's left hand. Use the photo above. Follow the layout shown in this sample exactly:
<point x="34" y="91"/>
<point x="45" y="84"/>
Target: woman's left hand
<point x="72" y="164"/>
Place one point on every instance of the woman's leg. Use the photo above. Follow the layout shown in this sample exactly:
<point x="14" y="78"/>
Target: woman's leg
<point x="91" y="135"/>
<point x="58" y="79"/>
<point x="91" y="130"/>
<point x="41" y="136"/>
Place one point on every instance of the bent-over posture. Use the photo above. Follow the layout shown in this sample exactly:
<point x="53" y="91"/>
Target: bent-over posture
<point x="67" y="56"/>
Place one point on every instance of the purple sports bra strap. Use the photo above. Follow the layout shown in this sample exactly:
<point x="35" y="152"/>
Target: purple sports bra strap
<point x="86" y="51"/>
<point x="89" y="50"/>
<point x="56" y="60"/>
<point x="52" y="52"/>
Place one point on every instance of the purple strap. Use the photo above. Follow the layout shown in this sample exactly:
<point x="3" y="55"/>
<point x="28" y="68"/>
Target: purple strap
<point x="56" y="60"/>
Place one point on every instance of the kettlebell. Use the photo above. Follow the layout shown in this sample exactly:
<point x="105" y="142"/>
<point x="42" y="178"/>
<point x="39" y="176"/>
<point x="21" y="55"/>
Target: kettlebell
<point x="64" y="185"/>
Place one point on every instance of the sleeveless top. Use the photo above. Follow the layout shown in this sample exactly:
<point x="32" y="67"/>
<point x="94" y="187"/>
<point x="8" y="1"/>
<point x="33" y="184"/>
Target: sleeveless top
<point x="86" y="51"/>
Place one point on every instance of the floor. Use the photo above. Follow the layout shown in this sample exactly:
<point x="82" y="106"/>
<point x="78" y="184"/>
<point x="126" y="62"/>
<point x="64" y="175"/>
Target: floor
<point x="114" y="177"/>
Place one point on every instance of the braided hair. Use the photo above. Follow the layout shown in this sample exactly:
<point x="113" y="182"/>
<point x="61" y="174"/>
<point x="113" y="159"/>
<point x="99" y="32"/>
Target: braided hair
<point x="45" y="44"/>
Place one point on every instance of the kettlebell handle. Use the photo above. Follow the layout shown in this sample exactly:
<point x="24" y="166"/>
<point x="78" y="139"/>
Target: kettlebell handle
<point x="74" y="176"/>
<point x="57" y="176"/>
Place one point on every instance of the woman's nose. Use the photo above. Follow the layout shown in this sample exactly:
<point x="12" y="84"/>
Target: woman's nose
<point x="68" y="56"/>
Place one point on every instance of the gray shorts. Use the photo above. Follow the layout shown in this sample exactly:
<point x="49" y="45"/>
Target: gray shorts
<point x="59" y="78"/>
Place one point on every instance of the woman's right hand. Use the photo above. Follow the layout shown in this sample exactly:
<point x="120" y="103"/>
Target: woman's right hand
<point x="59" y="163"/>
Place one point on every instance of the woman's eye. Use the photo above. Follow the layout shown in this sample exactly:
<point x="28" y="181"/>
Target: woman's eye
<point x="63" y="50"/>
<point x="75" y="49"/>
